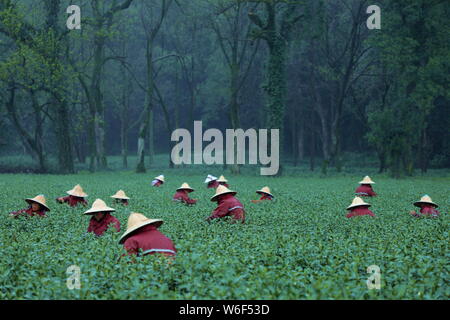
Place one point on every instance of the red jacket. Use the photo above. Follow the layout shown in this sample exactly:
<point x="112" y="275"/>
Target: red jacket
<point x="213" y="184"/>
<point x="100" y="227"/>
<point x="360" y="211"/>
<point x="183" y="196"/>
<point x="265" y="197"/>
<point x="74" y="201"/>
<point x="228" y="205"/>
<point x="29" y="212"/>
<point x="427" y="210"/>
<point x="157" y="183"/>
<point x="150" y="240"/>
<point x="365" y="190"/>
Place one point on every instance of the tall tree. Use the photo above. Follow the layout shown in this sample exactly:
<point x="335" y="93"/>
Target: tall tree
<point x="232" y="30"/>
<point x="276" y="31"/>
<point x="151" y="30"/>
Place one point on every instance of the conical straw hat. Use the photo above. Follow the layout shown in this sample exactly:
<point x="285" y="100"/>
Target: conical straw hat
<point x="160" y="178"/>
<point x="265" y="190"/>
<point x="77" y="191"/>
<point x="366" y="180"/>
<point x="38" y="199"/>
<point x="210" y="178"/>
<point x="358" y="202"/>
<point x="425" y="199"/>
<point x="222" y="190"/>
<point x="136" y="221"/>
<point x="99" y="206"/>
<point x="185" y="186"/>
<point x="222" y="179"/>
<point x="120" y="195"/>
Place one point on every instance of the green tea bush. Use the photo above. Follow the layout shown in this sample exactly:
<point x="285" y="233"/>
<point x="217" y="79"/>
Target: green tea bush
<point x="299" y="246"/>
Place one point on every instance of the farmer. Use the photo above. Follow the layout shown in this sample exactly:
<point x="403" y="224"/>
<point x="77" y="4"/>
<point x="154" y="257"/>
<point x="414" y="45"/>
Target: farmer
<point x="37" y="207"/>
<point x="211" y="182"/>
<point x="121" y="197"/>
<point x="182" y="194"/>
<point x="365" y="188"/>
<point x="142" y="237"/>
<point x="75" y="197"/>
<point x="265" y="195"/>
<point x="223" y="182"/>
<point x="359" y="208"/>
<point x="158" y="181"/>
<point x="427" y="208"/>
<point x="101" y="218"/>
<point x="228" y="205"/>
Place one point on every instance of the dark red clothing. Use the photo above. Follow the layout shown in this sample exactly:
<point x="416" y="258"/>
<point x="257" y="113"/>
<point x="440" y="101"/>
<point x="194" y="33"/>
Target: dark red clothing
<point x="183" y="196"/>
<point x="213" y="184"/>
<point x="149" y="240"/>
<point x="265" y="197"/>
<point x="228" y="205"/>
<point x="427" y="210"/>
<point x="74" y="201"/>
<point x="100" y="227"/>
<point x="157" y="183"/>
<point x="365" y="190"/>
<point x="224" y="184"/>
<point x="360" y="211"/>
<point x="29" y="212"/>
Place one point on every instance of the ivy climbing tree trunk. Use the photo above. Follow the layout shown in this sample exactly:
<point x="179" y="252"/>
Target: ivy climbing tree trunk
<point x="276" y="31"/>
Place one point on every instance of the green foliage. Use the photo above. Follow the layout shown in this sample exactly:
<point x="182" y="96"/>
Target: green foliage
<point x="300" y="246"/>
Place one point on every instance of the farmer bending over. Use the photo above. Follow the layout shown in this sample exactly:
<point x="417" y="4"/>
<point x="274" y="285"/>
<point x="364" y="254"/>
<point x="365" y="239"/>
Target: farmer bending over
<point x="101" y="218"/>
<point x="158" y="181"/>
<point x="182" y="194"/>
<point x="223" y="182"/>
<point x="211" y="182"/>
<point x="359" y="208"/>
<point x="121" y="197"/>
<point x="365" y="188"/>
<point x="75" y="197"/>
<point x="228" y="205"/>
<point x="427" y="208"/>
<point x="265" y="195"/>
<point x="142" y="237"/>
<point x="37" y="207"/>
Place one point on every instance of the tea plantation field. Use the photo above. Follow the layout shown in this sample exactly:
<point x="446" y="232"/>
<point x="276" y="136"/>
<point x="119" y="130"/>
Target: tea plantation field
<point x="300" y="246"/>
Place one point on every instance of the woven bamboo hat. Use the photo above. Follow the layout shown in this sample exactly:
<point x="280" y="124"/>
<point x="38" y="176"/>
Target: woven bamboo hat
<point x="357" y="202"/>
<point x="120" y="195"/>
<point x="136" y="221"/>
<point x="38" y="199"/>
<point x="425" y="199"/>
<point x="210" y="178"/>
<point x="185" y="186"/>
<point x="220" y="191"/>
<point x="366" y="180"/>
<point x="99" y="206"/>
<point x="222" y="179"/>
<point x="77" y="191"/>
<point x="265" y="190"/>
<point x="160" y="178"/>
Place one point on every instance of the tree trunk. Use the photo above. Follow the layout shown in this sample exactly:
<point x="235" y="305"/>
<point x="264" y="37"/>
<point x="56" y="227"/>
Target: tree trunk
<point x="301" y="141"/>
<point x="234" y="106"/>
<point x="141" y="148"/>
<point x="64" y="140"/>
